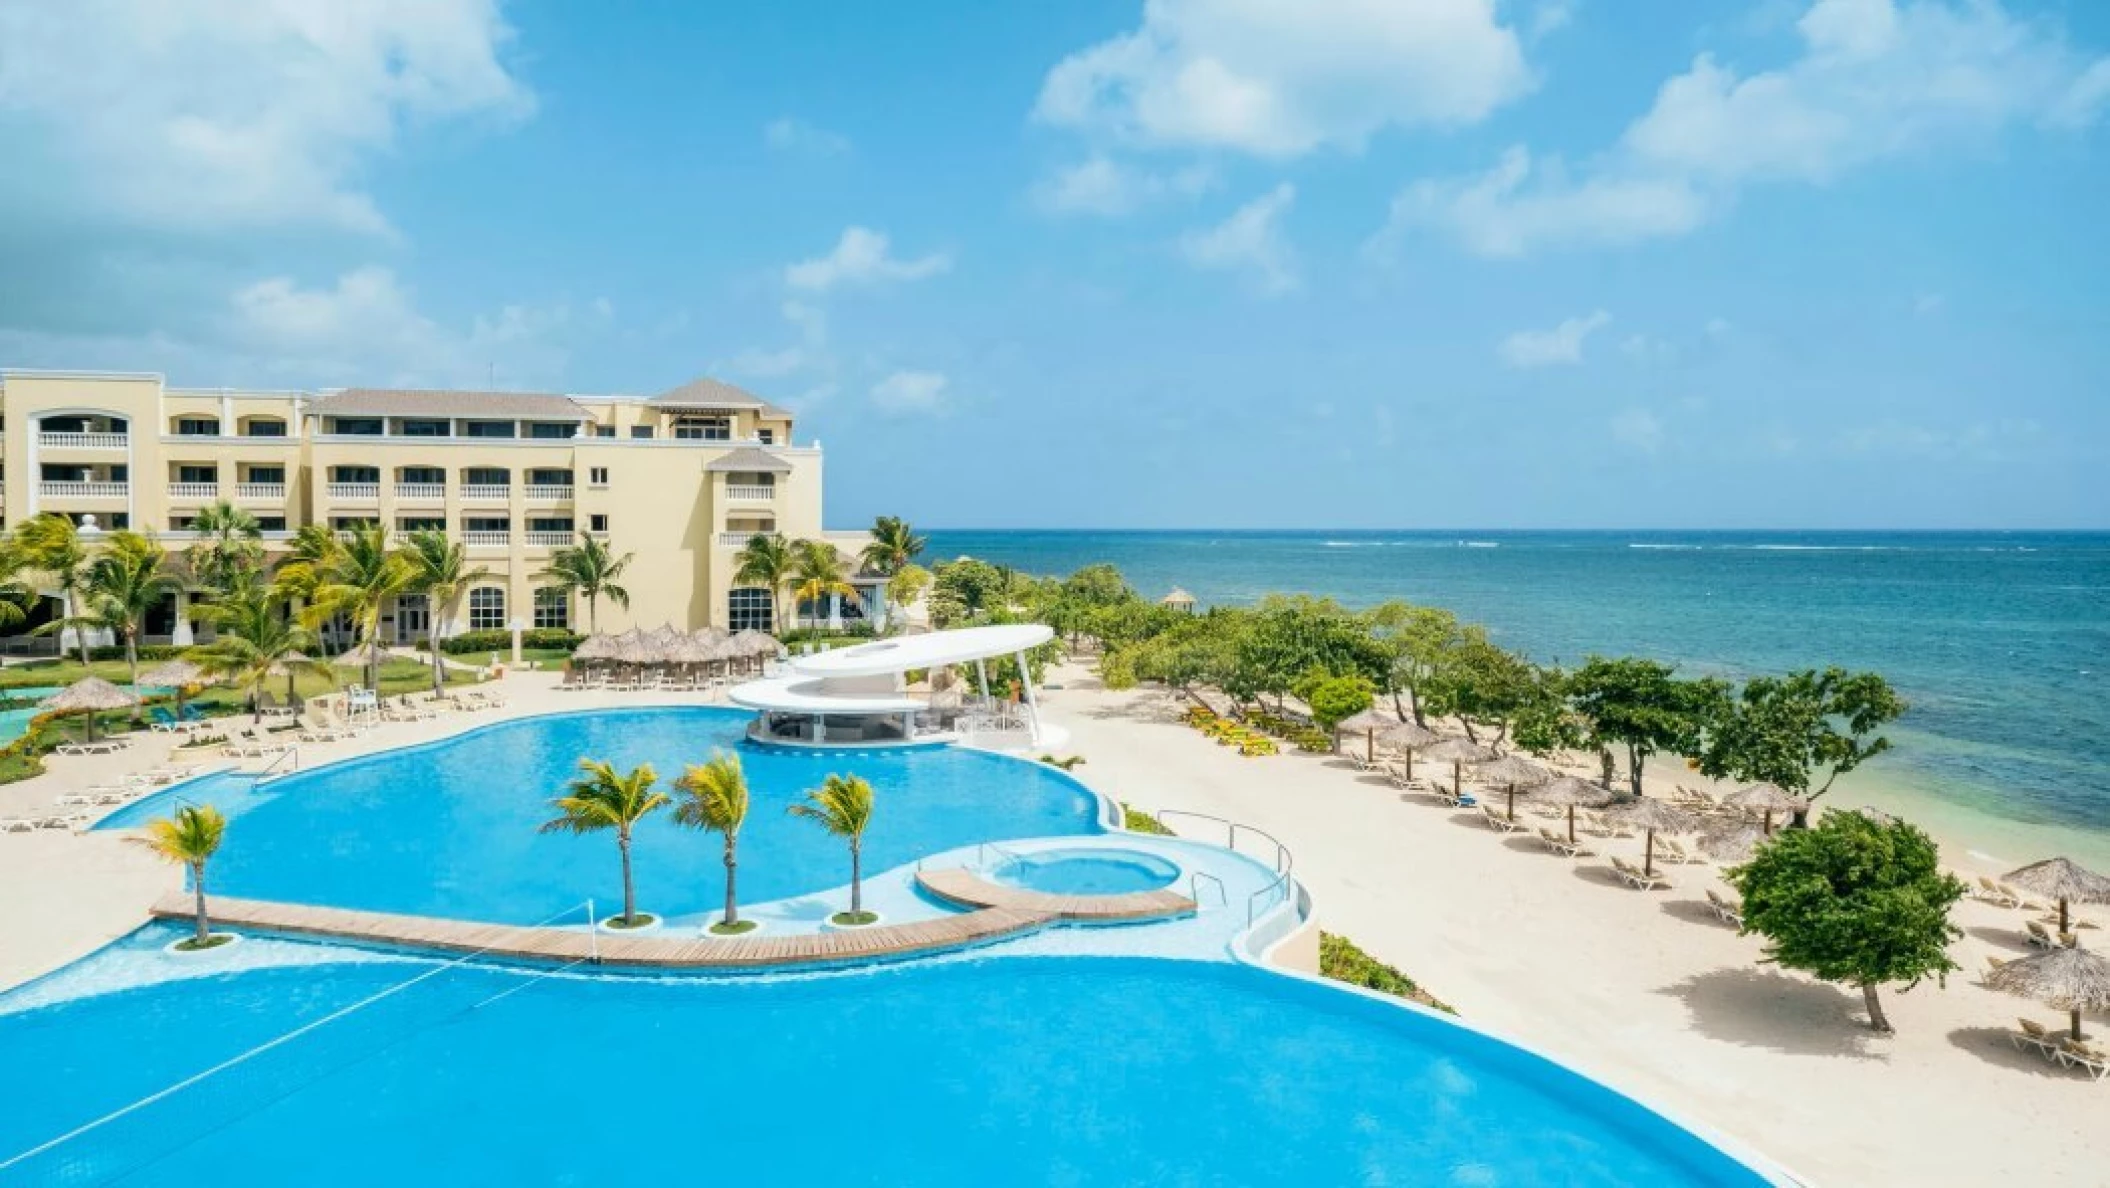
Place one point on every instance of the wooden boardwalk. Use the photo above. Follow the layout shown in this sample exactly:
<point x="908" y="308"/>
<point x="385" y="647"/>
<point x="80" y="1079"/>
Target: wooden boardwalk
<point x="964" y="887"/>
<point x="660" y="950"/>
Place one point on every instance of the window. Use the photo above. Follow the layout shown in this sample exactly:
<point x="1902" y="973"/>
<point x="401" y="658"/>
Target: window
<point x="549" y="478"/>
<point x="704" y="428"/>
<point x="766" y="436"/>
<point x="597" y="522"/>
<point x="488" y="429"/>
<point x="347" y="523"/>
<point x="197" y="474"/>
<point x="604" y="431"/>
<point x="355" y="474"/>
<point x="550" y="524"/>
<point x="597" y="476"/>
<point x="271" y="523"/>
<point x="182" y="523"/>
<point x="431" y="476"/>
<point x="264" y="427"/>
<point x="749" y="608"/>
<point x="548" y="429"/>
<point x="197" y="426"/>
<point x="641" y="432"/>
<point x="269" y="475"/>
<point x="552" y="608"/>
<point x="421" y="428"/>
<point x="421" y="523"/>
<point x="355" y="426"/>
<point x="487" y="609"/>
<point x="487" y="476"/>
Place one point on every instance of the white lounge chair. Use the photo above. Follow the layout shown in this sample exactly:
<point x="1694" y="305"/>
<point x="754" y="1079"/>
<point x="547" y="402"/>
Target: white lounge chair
<point x="1557" y="841"/>
<point x="1728" y="909"/>
<point x="1497" y="820"/>
<point x="17" y="825"/>
<point x="2085" y="1056"/>
<point x="2036" y="1035"/>
<point x="1636" y="878"/>
<point x="100" y="746"/>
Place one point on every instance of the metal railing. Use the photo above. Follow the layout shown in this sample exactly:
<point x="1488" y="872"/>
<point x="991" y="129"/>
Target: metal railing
<point x="736" y="539"/>
<point x="1285" y="862"/>
<point x="70" y="489"/>
<point x="365" y="491"/>
<point x="194" y="490"/>
<point x="430" y="492"/>
<point x="289" y="758"/>
<point x="486" y="492"/>
<point x="1194" y="889"/>
<point x="83" y="441"/>
<point x="549" y="492"/>
<point x="487" y="539"/>
<point x="274" y="492"/>
<point x="749" y="493"/>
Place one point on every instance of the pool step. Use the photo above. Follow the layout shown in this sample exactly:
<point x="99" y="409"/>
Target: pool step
<point x="964" y="887"/>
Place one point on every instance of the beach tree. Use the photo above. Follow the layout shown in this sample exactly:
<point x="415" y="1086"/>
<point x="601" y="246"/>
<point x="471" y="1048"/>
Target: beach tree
<point x="965" y="589"/>
<point x="1291" y="635"/>
<point x="254" y="640"/>
<point x="1486" y="687"/>
<point x="50" y="544"/>
<point x="714" y="799"/>
<point x="1335" y="698"/>
<point x="1801" y="731"/>
<point x="1855" y="901"/>
<point x="893" y="547"/>
<point x="818" y="573"/>
<point x="440" y="570"/>
<point x="907" y="585"/>
<point x="1641" y="705"/>
<point x="190" y="837"/>
<point x="767" y="560"/>
<point x="356" y="579"/>
<point x="230" y="539"/>
<point x="603" y="798"/>
<point x="1199" y="650"/>
<point x="591" y="570"/>
<point x="127" y="578"/>
<point x="842" y="805"/>
<point x="1415" y="640"/>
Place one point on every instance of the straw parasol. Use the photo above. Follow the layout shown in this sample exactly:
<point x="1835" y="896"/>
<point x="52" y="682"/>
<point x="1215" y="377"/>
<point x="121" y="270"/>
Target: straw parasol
<point x="1767" y="799"/>
<point x="2071" y="978"/>
<point x="1407" y="736"/>
<point x="1367" y="724"/>
<point x="362" y="655"/>
<point x="595" y="647"/>
<point x="2065" y="880"/>
<point x="1733" y="841"/>
<point x="1511" y="773"/>
<point x="177" y="674"/>
<point x="635" y="647"/>
<point x="1457" y="752"/>
<point x="93" y="694"/>
<point x="1574" y="793"/>
<point x="1648" y="813"/>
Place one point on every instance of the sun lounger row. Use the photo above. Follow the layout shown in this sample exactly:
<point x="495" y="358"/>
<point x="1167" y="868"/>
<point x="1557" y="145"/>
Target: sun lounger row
<point x="1637" y="878"/>
<point x="1557" y="841"/>
<point x="51" y="821"/>
<point x="2067" y="1051"/>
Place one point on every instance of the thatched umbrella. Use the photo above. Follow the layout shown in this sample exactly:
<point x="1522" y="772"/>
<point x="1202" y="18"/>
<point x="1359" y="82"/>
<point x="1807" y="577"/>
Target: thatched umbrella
<point x="368" y="654"/>
<point x="595" y="647"/>
<point x="1574" y="793"/>
<point x="287" y="666"/>
<point x="92" y="694"/>
<point x="2071" y="978"/>
<point x="178" y="675"/>
<point x="1367" y="724"/>
<point x="2065" y="880"/>
<point x="1767" y="799"/>
<point x="1407" y="736"/>
<point x="1457" y="752"/>
<point x="1511" y="773"/>
<point x="1733" y="841"/>
<point x="1648" y="813"/>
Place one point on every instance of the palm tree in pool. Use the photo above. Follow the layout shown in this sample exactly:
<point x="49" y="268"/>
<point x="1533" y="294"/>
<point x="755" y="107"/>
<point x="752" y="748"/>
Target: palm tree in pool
<point x="256" y="640"/>
<point x="894" y="546"/>
<point x="766" y="560"/>
<point x="590" y="570"/>
<point x="842" y="805"/>
<point x="440" y="571"/>
<point x="125" y="581"/>
<point x="817" y="573"/>
<point x="356" y="579"/>
<point x="191" y="837"/>
<point x="604" y="798"/>
<point x="52" y="546"/>
<point x="714" y="799"/>
<point x="229" y="540"/>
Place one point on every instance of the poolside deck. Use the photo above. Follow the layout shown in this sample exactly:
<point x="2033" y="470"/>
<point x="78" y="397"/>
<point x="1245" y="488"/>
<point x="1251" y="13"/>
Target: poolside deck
<point x="508" y="941"/>
<point x="964" y="887"/>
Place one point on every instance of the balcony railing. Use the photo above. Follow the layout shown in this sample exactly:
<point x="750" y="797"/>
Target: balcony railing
<point x="194" y="490"/>
<point x="548" y="538"/>
<point x="83" y="441"/>
<point x="84" y="490"/>
<point x="549" y="493"/>
<point x="486" y="492"/>
<point x="422" y="492"/>
<point x="260" y="492"/>
<point x="739" y="539"/>
<point x="368" y="492"/>
<point x="749" y="493"/>
<point x="487" y="540"/>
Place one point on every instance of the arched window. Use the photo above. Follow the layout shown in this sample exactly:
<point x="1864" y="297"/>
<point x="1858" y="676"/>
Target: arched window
<point x="487" y="609"/>
<point x="749" y="607"/>
<point x="552" y="607"/>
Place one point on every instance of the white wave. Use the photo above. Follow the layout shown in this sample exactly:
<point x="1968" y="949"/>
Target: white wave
<point x="1683" y="548"/>
<point x="1479" y="544"/>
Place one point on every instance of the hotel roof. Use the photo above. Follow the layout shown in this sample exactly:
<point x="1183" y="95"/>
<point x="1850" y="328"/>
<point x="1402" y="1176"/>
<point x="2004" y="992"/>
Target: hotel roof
<point x="748" y="458"/>
<point x="426" y="402"/>
<point x="706" y="392"/>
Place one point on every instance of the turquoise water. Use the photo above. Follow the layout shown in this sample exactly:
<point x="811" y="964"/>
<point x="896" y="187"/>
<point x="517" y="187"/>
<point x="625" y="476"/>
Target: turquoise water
<point x="2001" y="641"/>
<point x="15" y="722"/>
<point x="450" y="829"/>
<point x="1060" y="1071"/>
<point x="1086" y="872"/>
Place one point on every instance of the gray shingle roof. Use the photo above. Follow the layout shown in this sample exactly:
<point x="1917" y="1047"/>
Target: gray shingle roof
<point x="747" y="458"/>
<point x="423" y="402"/>
<point x="706" y="392"/>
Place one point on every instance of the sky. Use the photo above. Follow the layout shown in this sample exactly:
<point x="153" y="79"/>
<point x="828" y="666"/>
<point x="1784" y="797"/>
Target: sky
<point x="1115" y="263"/>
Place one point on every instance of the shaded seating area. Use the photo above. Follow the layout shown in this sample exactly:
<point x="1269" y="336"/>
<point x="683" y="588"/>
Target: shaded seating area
<point x="669" y="658"/>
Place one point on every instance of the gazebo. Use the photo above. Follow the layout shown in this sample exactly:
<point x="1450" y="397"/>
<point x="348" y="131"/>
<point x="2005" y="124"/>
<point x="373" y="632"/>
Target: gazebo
<point x="1179" y="600"/>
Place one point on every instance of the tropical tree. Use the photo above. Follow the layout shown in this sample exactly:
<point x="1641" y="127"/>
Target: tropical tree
<point x="894" y="546"/>
<point x="1853" y="901"/>
<point x="229" y="540"/>
<point x="1801" y="731"/>
<point x="439" y="569"/>
<point x="714" y="799"/>
<point x="124" y="581"/>
<point x="1485" y="687"/>
<point x="1641" y="705"/>
<point x="1417" y="640"/>
<point x="16" y="594"/>
<point x="964" y="589"/>
<point x="255" y="639"/>
<point x="908" y="584"/>
<point x="355" y="579"/>
<point x="590" y="570"/>
<point x="768" y="561"/>
<point x="604" y="798"/>
<point x="1334" y="698"/>
<point x="817" y="573"/>
<point x="51" y="545"/>
<point x="190" y="836"/>
<point x="842" y="805"/>
<point x="1291" y="637"/>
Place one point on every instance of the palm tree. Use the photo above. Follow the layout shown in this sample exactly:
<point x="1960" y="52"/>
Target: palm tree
<point x="355" y="579"/>
<point x="125" y="581"/>
<point x="714" y="799"/>
<point x="607" y="799"/>
<point x="440" y="571"/>
<point x="191" y="836"/>
<point x="894" y="545"/>
<point x="591" y="570"/>
<point x="817" y="572"/>
<point x="51" y="545"/>
<point x="255" y="641"/>
<point x="766" y="560"/>
<point x="228" y="541"/>
<point x="16" y="595"/>
<point x="842" y="805"/>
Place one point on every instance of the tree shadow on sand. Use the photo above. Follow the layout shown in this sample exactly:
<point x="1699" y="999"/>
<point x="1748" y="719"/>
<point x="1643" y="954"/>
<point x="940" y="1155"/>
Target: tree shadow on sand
<point x="1992" y="1045"/>
<point x="1765" y="1008"/>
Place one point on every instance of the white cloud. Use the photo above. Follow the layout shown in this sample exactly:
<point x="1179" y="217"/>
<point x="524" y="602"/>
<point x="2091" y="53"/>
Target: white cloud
<point x="1250" y="241"/>
<point x="1551" y="16"/>
<point x="1547" y="348"/>
<point x="1874" y="80"/>
<point x="1099" y="185"/>
<point x="1280" y="80"/>
<point x="1638" y="429"/>
<point x="861" y="257"/>
<point x="909" y="392"/>
<point x="789" y="134"/>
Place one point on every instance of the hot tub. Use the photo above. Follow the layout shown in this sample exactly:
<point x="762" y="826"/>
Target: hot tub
<point x="1086" y="871"/>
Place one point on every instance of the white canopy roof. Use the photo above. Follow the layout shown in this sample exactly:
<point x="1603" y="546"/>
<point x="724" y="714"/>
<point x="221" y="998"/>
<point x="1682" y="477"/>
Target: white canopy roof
<point x="933" y="649"/>
<point x="797" y="694"/>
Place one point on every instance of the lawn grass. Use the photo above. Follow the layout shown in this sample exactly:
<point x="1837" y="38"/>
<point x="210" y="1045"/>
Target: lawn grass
<point x="854" y="918"/>
<point x="737" y="928"/>
<point x="1343" y="961"/>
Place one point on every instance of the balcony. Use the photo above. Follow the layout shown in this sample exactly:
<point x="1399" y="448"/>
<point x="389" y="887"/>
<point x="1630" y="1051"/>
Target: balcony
<point x="548" y="493"/>
<point x="487" y="540"/>
<point x="547" y="539"/>
<point x="260" y="492"/>
<point x="84" y="490"/>
<point x="193" y="492"/>
<point x="747" y="493"/>
<point x="422" y="492"/>
<point x="355" y="492"/>
<point x="84" y="441"/>
<point x="486" y="493"/>
<point x="738" y="540"/>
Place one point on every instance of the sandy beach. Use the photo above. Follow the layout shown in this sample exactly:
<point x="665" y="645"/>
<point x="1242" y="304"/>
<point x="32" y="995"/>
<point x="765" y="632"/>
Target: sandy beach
<point x="1647" y="991"/>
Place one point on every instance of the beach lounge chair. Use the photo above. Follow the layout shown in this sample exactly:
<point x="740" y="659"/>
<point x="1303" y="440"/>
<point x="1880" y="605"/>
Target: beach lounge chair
<point x="2040" y="936"/>
<point x="1556" y="841"/>
<point x="61" y="821"/>
<point x="2085" y="1056"/>
<point x="100" y="746"/>
<point x="2035" y="1035"/>
<point x="1499" y="821"/>
<point x="1634" y="877"/>
<point x="1668" y="850"/>
<point x="1728" y="909"/>
<point x="161" y="721"/>
<point x="251" y="742"/>
<point x="17" y="825"/>
<point x="321" y="729"/>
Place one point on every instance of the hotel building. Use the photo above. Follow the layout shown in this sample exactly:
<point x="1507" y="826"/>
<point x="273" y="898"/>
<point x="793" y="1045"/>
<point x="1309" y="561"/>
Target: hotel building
<point x="680" y="481"/>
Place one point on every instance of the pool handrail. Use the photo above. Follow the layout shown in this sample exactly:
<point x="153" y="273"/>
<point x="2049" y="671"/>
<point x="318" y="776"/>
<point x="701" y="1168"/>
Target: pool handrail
<point x="1194" y="889"/>
<point x="1285" y="861"/>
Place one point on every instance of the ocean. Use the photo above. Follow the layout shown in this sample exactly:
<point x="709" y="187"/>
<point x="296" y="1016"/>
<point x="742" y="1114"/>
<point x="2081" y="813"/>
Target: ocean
<point x="2000" y="641"/>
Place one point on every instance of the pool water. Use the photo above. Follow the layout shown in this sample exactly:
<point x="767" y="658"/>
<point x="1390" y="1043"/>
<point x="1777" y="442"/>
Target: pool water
<point x="14" y="723"/>
<point x="1086" y="872"/>
<point x="451" y="828"/>
<point x="1070" y="1070"/>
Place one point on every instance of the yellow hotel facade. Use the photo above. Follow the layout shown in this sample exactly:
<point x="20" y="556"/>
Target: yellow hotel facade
<point x="680" y="480"/>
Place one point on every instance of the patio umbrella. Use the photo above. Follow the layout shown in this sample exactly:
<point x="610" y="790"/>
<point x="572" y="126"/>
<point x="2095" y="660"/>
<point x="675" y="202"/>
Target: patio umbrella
<point x="2071" y="978"/>
<point x="177" y="675"/>
<point x="1574" y="793"/>
<point x="2065" y="880"/>
<point x="285" y="666"/>
<point x="1767" y="799"/>
<point x="1733" y="841"/>
<point x="1649" y="814"/>
<point x="362" y="655"/>
<point x="1367" y="724"/>
<point x="594" y="647"/>
<point x="1407" y="736"/>
<point x="1511" y="773"/>
<point x="1457" y="752"/>
<point x="92" y="694"/>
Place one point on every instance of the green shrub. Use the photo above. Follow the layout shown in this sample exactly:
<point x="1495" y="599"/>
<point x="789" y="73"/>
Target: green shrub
<point x="1139" y="821"/>
<point x="1341" y="960"/>
<point x="859" y="630"/>
<point x="553" y="639"/>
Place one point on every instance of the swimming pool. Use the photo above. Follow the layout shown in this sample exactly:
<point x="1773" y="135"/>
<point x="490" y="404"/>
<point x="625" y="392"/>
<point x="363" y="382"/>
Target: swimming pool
<point x="1068" y="1070"/>
<point x="1077" y="871"/>
<point x="450" y="828"/>
<point x="15" y="722"/>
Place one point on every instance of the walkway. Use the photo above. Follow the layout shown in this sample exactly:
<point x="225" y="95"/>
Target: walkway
<point x="968" y="889"/>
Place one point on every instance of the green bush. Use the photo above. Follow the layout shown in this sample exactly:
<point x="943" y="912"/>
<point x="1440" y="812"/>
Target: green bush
<point x="1139" y="821"/>
<point x="555" y="639"/>
<point x="797" y="635"/>
<point x="117" y="652"/>
<point x="1343" y="961"/>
